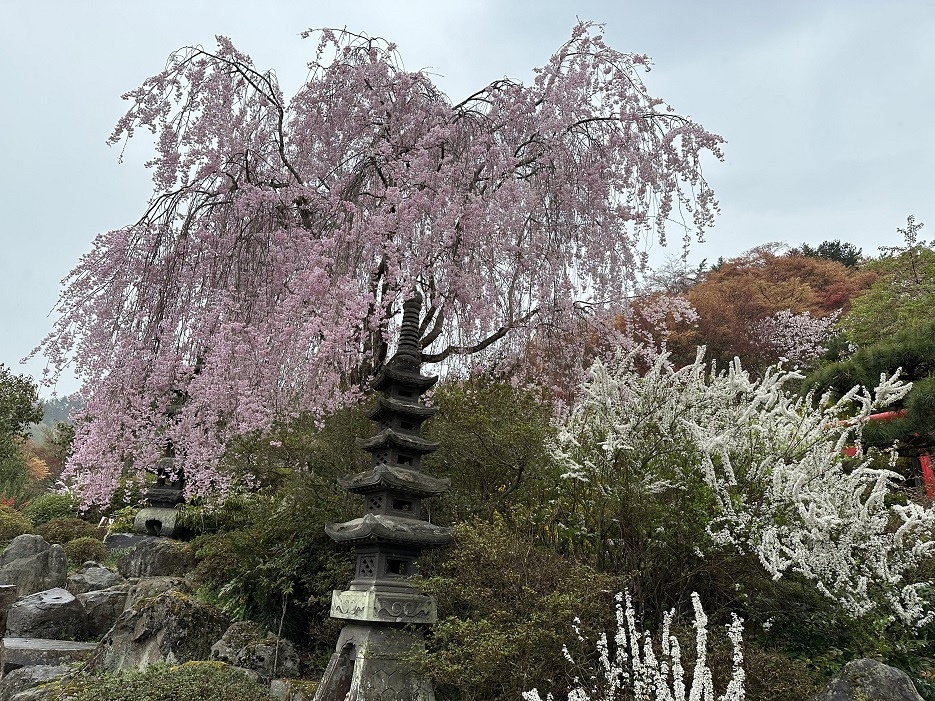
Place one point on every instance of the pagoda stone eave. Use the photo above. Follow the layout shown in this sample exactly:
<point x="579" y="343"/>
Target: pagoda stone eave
<point x="384" y="477"/>
<point x="398" y="373"/>
<point x="381" y="528"/>
<point x="387" y="406"/>
<point x="389" y="437"/>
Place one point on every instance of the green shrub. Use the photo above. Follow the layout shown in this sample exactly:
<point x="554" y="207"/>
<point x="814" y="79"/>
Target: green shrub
<point x="275" y="565"/>
<point x="63" y="530"/>
<point x="506" y="608"/>
<point x="493" y="439"/>
<point x="122" y="520"/>
<point x="80" y="550"/>
<point x="192" y="681"/>
<point x="45" y="507"/>
<point x="12" y="524"/>
<point x="18" y="477"/>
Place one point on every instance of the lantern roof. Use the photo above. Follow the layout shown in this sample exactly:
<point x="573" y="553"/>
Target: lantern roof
<point x="398" y="373"/>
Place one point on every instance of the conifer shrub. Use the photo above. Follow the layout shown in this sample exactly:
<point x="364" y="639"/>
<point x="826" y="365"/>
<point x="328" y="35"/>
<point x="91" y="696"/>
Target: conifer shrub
<point x="63" y="530"/>
<point x="506" y="606"/>
<point x="273" y="563"/>
<point x="12" y="524"/>
<point x="80" y="550"/>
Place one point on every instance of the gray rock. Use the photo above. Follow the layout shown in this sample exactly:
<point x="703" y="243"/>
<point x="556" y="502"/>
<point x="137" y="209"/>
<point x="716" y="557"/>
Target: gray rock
<point x="151" y="587"/>
<point x="23" y="546"/>
<point x="862" y="680"/>
<point x="156" y="557"/>
<point x="247" y="645"/>
<point x="37" y="693"/>
<point x="93" y="577"/>
<point x="54" y="613"/>
<point x="123" y="541"/>
<point x="292" y="689"/>
<point x="171" y="628"/>
<point x="102" y="608"/>
<point x="8" y="596"/>
<point x="24" y="678"/>
<point x="33" y="565"/>
<point x="24" y="652"/>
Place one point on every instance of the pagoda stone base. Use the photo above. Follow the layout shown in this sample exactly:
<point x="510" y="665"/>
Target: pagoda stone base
<point x="373" y="663"/>
<point x="157" y="521"/>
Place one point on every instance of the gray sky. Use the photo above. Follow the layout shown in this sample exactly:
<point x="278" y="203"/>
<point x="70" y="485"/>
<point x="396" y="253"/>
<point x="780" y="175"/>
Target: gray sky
<point x="826" y="107"/>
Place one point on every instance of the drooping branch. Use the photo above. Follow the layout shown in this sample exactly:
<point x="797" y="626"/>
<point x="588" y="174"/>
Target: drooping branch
<point x="479" y="346"/>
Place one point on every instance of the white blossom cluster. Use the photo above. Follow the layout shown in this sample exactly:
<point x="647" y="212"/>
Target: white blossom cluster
<point x="772" y="462"/>
<point x="800" y="338"/>
<point x="635" y="671"/>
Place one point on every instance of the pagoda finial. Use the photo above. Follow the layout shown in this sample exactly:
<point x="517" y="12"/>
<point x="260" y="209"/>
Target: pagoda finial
<point x="409" y="351"/>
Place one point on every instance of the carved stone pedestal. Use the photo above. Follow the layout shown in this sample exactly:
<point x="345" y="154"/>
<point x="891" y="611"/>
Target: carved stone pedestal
<point x="372" y="663"/>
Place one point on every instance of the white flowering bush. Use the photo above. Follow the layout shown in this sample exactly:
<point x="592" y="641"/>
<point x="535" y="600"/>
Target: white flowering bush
<point x="759" y="468"/>
<point x="800" y="338"/>
<point x="637" y="668"/>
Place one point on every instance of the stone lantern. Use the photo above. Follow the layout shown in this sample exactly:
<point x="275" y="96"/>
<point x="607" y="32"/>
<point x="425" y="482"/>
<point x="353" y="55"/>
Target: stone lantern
<point x="384" y="613"/>
<point x="158" y="518"/>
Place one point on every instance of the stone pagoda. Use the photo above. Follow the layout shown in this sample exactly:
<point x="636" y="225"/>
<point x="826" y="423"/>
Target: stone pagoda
<point x="384" y="613"/>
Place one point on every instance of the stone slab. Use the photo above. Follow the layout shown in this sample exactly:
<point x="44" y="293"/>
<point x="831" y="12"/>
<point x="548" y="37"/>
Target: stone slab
<point x="24" y="652"/>
<point x="122" y="541"/>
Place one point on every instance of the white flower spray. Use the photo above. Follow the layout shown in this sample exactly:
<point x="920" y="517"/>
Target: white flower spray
<point x="635" y="671"/>
<point x="773" y="464"/>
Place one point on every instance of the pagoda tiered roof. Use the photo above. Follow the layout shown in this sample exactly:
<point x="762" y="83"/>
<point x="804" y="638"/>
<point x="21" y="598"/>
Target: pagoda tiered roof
<point x="388" y="406"/>
<point x="403" y="374"/>
<point x="383" y="528"/>
<point x="398" y="439"/>
<point x="402" y="479"/>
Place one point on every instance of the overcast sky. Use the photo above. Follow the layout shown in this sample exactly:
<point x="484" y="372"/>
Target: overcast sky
<point x="826" y="107"/>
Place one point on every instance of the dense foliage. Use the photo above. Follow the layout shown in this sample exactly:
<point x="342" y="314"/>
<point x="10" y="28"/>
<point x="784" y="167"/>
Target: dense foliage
<point x="903" y="296"/>
<point x="911" y="352"/>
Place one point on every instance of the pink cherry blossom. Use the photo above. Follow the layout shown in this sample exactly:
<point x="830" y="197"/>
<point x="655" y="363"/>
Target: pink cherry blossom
<point x="283" y="235"/>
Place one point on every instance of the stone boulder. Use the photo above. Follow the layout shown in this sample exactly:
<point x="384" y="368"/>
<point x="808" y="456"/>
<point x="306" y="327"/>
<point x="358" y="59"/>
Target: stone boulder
<point x="122" y="541"/>
<point x="250" y="646"/>
<point x="289" y="689"/>
<point x="151" y="587"/>
<point x="868" y="679"/>
<point x="24" y="678"/>
<point x="54" y="614"/>
<point x="102" y="608"/>
<point x="171" y="628"/>
<point x="30" y="563"/>
<point x="93" y="577"/>
<point x="28" y="652"/>
<point x="8" y="597"/>
<point x="156" y="557"/>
